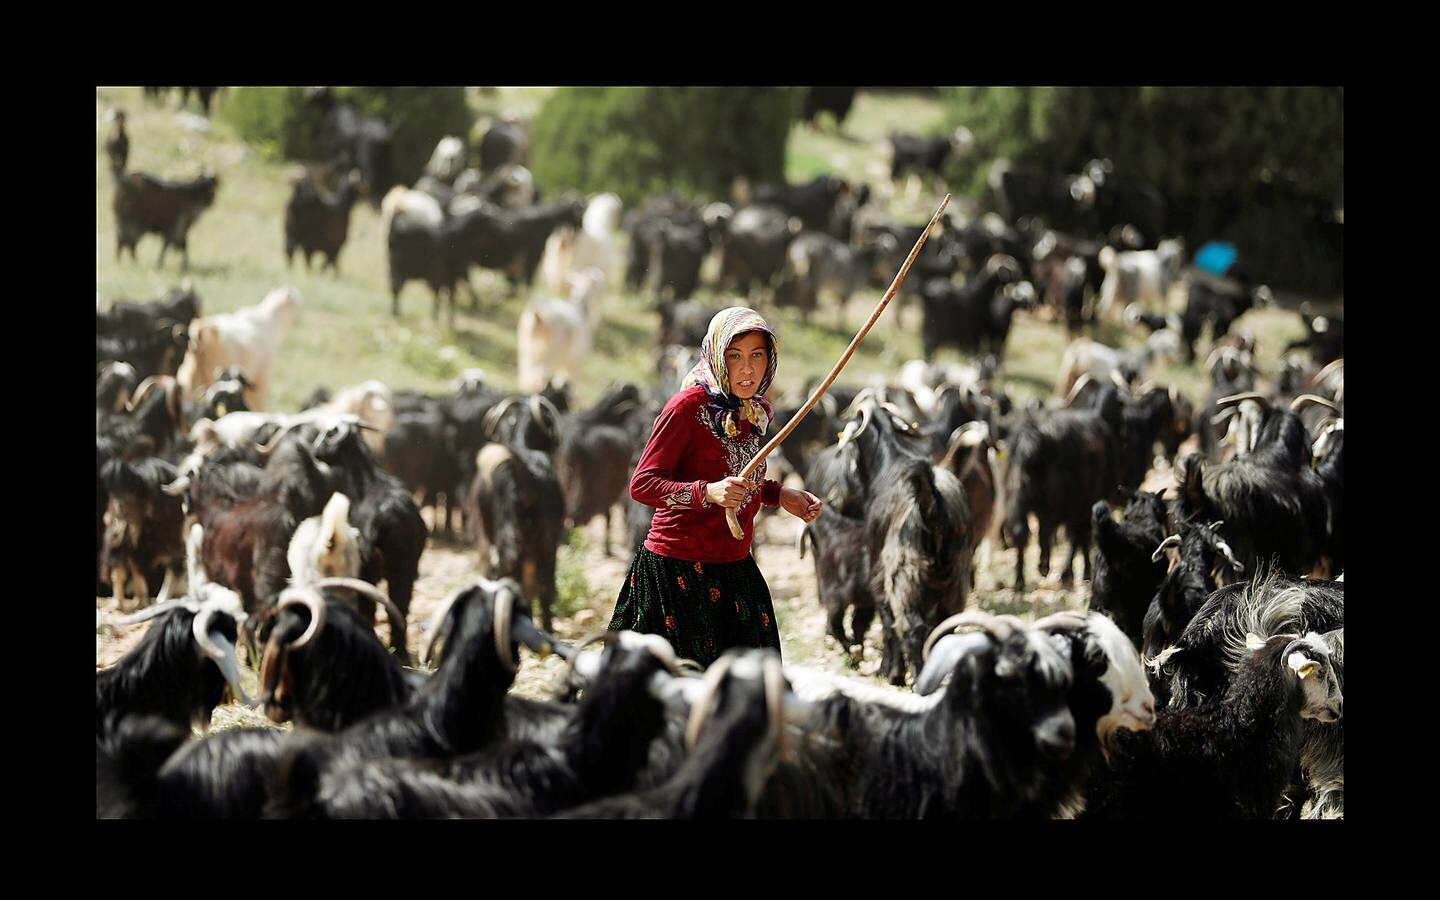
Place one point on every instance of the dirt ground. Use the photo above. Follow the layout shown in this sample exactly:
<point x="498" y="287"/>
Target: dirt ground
<point x="447" y="565"/>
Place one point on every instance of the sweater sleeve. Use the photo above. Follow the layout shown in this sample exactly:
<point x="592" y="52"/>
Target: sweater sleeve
<point x="653" y="482"/>
<point x="770" y="493"/>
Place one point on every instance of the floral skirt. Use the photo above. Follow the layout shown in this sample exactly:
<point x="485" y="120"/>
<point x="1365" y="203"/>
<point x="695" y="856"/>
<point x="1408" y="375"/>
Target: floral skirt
<point x="702" y="609"/>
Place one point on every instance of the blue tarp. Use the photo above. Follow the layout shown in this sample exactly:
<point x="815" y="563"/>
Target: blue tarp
<point x="1216" y="257"/>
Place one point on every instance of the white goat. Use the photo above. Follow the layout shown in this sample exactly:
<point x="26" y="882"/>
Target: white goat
<point x="1140" y="276"/>
<point x="249" y="338"/>
<point x="448" y="160"/>
<point x="325" y="546"/>
<point x="554" y="335"/>
<point x="1105" y="363"/>
<point x="595" y="245"/>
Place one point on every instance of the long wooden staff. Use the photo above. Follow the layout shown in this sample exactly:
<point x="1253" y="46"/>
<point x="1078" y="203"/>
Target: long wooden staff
<point x="730" y="515"/>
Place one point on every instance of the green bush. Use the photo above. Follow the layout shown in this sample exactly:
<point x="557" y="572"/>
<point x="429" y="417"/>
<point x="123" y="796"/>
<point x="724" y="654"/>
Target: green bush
<point x="1257" y="166"/>
<point x="640" y="141"/>
<point x="420" y="116"/>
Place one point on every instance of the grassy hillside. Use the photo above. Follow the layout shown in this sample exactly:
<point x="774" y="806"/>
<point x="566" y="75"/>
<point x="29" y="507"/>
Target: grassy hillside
<point x="345" y="332"/>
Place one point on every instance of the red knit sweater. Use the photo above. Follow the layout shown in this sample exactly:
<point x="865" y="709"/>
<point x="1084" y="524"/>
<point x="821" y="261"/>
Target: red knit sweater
<point x="682" y="456"/>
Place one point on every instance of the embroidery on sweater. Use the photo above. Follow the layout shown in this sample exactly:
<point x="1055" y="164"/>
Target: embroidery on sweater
<point x="739" y="452"/>
<point x="681" y="499"/>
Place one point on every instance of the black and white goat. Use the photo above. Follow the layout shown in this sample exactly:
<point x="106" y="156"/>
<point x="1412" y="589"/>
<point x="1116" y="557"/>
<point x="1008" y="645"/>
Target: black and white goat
<point x="180" y="669"/>
<point x="1232" y="758"/>
<point x="1127" y="573"/>
<point x="976" y="752"/>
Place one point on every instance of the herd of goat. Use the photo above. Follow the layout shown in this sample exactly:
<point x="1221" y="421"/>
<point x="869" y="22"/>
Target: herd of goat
<point x="1204" y="680"/>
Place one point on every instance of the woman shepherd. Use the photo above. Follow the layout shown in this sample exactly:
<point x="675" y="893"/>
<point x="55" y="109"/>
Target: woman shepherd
<point x="692" y="582"/>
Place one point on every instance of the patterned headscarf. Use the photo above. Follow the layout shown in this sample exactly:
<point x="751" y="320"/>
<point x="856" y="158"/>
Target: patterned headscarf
<point x="711" y="374"/>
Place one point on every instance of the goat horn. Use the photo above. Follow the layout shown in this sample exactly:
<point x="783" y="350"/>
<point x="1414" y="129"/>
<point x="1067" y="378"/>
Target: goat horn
<point x="1065" y="620"/>
<point x="151" y="612"/>
<point x="866" y="411"/>
<point x="439" y="621"/>
<point x="264" y="450"/>
<point x="492" y="418"/>
<point x="1119" y="380"/>
<point x="141" y="392"/>
<point x="574" y="661"/>
<point x="1171" y="541"/>
<point x="1210" y="360"/>
<point x="504" y="611"/>
<point x="1077" y="387"/>
<point x="948" y="651"/>
<point x="1229" y="555"/>
<point x="1223" y="416"/>
<point x="392" y="610"/>
<point x="216" y="646"/>
<point x="1247" y="395"/>
<point x="1330" y="369"/>
<point x="309" y="598"/>
<point x="1303" y="399"/>
<point x="701" y="710"/>
<point x="899" y="415"/>
<point x="541" y="402"/>
<point x="968" y="617"/>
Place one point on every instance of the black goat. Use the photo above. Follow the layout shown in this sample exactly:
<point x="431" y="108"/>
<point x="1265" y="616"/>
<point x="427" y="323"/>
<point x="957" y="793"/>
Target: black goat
<point x="1201" y="564"/>
<point x="117" y="144"/>
<point x="317" y="221"/>
<point x="1218" y="302"/>
<point x="754" y="246"/>
<point x="842" y="575"/>
<point x="975" y="753"/>
<point x="158" y="352"/>
<point x="459" y="710"/>
<point x="179" y="671"/>
<point x="332" y="675"/>
<point x="734" y="755"/>
<point x="1229" y="759"/>
<point x="598" y="752"/>
<point x="919" y="536"/>
<point x="515" y="506"/>
<point x="1061" y="462"/>
<point x="1271" y="499"/>
<point x="975" y="318"/>
<point x="420" y="450"/>
<point x="145" y="205"/>
<point x="392" y="532"/>
<point x="595" y="457"/>
<point x="142" y="541"/>
<point x="1126" y="573"/>
<point x="123" y="318"/>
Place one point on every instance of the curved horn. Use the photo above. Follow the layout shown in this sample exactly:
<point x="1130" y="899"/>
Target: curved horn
<point x="1223" y="416"/>
<point x="866" y="411"/>
<point x="492" y="418"/>
<point x="1330" y="369"/>
<point x="392" y="610"/>
<point x="216" y="646"/>
<point x="1304" y="399"/>
<point x="1171" y="541"/>
<point x="1236" y="398"/>
<point x="948" y="651"/>
<point x="311" y="600"/>
<point x="439" y="621"/>
<point x="572" y="661"/>
<point x="268" y="446"/>
<point x="1119" y="380"/>
<point x="701" y="710"/>
<point x="538" y="403"/>
<point x="899" y="417"/>
<point x="1065" y="620"/>
<point x="999" y="628"/>
<point x="148" y="613"/>
<point x="1229" y="555"/>
<point x="142" y="391"/>
<point x="504" y="613"/>
<point x="1077" y="387"/>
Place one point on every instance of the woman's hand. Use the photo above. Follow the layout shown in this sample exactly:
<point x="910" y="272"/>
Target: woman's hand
<point x="802" y="505"/>
<point x="727" y="492"/>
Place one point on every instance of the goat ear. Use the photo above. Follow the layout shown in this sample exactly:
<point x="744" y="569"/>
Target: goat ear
<point x="1303" y="665"/>
<point x="1254" y="641"/>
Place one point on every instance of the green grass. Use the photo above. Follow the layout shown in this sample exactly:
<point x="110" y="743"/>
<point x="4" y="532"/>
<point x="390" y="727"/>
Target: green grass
<point x="345" y="333"/>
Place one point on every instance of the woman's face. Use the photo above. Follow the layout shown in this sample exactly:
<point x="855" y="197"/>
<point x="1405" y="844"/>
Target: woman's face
<point x="746" y="359"/>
